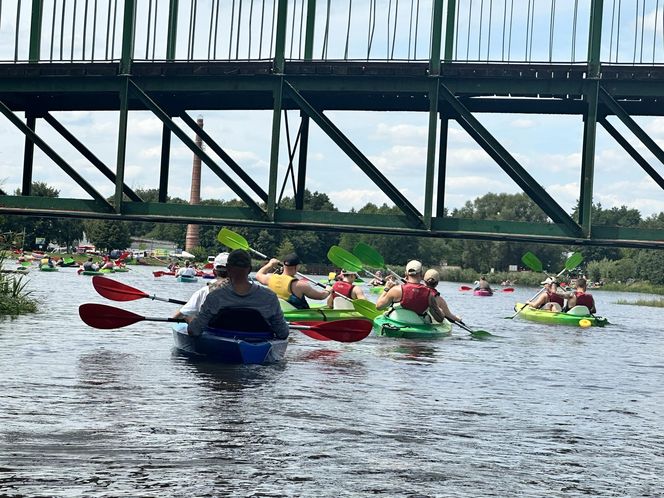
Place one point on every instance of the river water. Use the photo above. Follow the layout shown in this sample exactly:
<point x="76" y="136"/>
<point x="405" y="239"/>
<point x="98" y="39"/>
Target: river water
<point x="535" y="411"/>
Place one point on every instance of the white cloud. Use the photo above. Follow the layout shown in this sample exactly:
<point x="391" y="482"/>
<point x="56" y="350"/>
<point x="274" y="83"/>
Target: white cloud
<point x="346" y="199"/>
<point x="523" y="123"/>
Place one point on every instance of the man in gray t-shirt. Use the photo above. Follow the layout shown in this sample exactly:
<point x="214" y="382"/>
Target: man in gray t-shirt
<point x="241" y="293"/>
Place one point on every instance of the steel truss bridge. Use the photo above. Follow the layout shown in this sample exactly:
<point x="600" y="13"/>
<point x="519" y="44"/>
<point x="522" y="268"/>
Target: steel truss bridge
<point x="449" y="59"/>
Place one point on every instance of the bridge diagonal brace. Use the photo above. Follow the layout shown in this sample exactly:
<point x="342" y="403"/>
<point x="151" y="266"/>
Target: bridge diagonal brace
<point x="510" y="165"/>
<point x="640" y="160"/>
<point x="87" y="153"/>
<point x="205" y="158"/>
<point x="39" y="142"/>
<point x="633" y="126"/>
<point x="230" y="162"/>
<point x="356" y="156"/>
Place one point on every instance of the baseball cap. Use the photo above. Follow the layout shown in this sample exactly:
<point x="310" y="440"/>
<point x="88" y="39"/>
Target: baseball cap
<point x="432" y="275"/>
<point x="239" y="258"/>
<point x="291" y="259"/>
<point x="348" y="272"/>
<point x="549" y="280"/>
<point x="414" y="266"/>
<point x="221" y="260"/>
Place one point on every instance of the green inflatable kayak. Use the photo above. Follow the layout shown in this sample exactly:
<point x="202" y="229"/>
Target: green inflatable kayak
<point x="91" y="272"/>
<point x="579" y="316"/>
<point x="48" y="268"/>
<point x="409" y="325"/>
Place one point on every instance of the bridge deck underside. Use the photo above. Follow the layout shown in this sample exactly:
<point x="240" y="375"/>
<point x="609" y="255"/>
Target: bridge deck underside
<point x="179" y="87"/>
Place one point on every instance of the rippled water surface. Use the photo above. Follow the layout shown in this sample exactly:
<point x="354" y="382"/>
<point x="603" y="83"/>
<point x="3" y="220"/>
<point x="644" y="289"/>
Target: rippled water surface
<point x="536" y="411"/>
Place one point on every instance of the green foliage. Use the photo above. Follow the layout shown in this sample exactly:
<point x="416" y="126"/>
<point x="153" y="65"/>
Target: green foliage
<point x="108" y="235"/>
<point x="14" y="298"/>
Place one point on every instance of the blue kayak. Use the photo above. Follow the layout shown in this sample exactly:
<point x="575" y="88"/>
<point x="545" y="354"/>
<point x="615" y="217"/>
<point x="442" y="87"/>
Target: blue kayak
<point x="230" y="346"/>
<point x="187" y="279"/>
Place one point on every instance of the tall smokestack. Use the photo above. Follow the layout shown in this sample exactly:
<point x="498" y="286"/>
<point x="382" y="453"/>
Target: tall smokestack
<point x="192" y="240"/>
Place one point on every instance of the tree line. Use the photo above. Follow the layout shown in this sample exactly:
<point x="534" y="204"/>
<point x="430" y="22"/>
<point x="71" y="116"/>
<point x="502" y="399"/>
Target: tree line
<point x="609" y="263"/>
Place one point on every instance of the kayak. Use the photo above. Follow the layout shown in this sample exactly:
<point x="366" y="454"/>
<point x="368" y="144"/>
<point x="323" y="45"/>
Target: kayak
<point x="91" y="272"/>
<point x="48" y="268"/>
<point x="186" y="279"/>
<point x="107" y="270"/>
<point x="579" y="316"/>
<point x="120" y="269"/>
<point x="409" y="325"/>
<point x="227" y="346"/>
<point x="482" y="292"/>
<point x="377" y="289"/>
<point x="316" y="313"/>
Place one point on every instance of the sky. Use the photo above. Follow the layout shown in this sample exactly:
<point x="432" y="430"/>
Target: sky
<point x="549" y="147"/>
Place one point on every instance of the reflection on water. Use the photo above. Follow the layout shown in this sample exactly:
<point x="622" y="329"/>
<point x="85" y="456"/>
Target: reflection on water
<point x="537" y="411"/>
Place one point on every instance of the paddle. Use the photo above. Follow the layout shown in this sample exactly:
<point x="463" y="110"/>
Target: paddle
<point x="465" y="288"/>
<point x="372" y="258"/>
<point x="101" y="316"/>
<point x="234" y="240"/>
<point x="475" y="333"/>
<point x="530" y="259"/>
<point x="117" y="291"/>
<point x="507" y="289"/>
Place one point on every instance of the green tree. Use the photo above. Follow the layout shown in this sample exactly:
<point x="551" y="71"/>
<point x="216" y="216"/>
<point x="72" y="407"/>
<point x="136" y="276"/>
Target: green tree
<point x="108" y="235"/>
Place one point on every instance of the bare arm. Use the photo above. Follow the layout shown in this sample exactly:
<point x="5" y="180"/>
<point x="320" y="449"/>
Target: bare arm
<point x="358" y="293"/>
<point x="302" y="288"/>
<point x="263" y="275"/>
<point x="393" y="295"/>
<point x="442" y="304"/>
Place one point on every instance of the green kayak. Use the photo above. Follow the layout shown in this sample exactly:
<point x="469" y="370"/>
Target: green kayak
<point x="91" y="272"/>
<point x="187" y="279"/>
<point x="409" y="325"/>
<point x="579" y="316"/>
<point x="48" y="268"/>
<point x="318" y="312"/>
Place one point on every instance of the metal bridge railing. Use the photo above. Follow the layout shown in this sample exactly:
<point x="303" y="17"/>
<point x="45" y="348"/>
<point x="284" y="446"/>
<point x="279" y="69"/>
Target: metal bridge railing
<point x="519" y="31"/>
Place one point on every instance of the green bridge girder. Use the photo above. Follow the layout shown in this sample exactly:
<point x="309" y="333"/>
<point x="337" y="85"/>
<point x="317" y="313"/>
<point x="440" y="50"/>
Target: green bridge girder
<point x="445" y="89"/>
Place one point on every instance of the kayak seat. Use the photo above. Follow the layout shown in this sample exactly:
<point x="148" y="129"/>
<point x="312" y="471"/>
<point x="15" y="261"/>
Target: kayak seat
<point x="339" y="303"/>
<point x="579" y="311"/>
<point x="243" y="323"/>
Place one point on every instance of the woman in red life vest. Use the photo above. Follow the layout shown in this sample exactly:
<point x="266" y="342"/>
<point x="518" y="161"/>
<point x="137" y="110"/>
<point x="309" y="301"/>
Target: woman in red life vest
<point x="412" y="295"/>
<point x="580" y="297"/>
<point x="550" y="299"/>
<point x="431" y="279"/>
<point x="345" y="287"/>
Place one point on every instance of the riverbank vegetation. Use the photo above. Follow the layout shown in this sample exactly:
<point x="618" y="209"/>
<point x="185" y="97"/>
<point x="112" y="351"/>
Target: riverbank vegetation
<point x="14" y="298"/>
<point x="458" y="260"/>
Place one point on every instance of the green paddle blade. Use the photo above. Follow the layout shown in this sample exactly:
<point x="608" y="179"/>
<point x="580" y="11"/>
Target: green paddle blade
<point x="573" y="261"/>
<point x="232" y="240"/>
<point x="343" y="259"/>
<point x="532" y="262"/>
<point x="368" y="255"/>
<point x="366" y="308"/>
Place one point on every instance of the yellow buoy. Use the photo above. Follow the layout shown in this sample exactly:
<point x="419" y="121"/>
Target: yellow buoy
<point x="584" y="323"/>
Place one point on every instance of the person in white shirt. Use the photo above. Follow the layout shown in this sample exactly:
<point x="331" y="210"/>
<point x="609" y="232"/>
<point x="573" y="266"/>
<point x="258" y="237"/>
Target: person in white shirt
<point x="190" y="310"/>
<point x="187" y="271"/>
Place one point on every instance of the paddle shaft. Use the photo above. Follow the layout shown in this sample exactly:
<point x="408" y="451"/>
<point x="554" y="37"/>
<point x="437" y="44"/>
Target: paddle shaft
<point x="166" y="299"/>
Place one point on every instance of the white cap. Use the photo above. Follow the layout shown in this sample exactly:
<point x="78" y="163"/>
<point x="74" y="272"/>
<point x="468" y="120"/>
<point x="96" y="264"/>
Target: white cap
<point x="221" y="260"/>
<point x="549" y="280"/>
<point x="414" y="266"/>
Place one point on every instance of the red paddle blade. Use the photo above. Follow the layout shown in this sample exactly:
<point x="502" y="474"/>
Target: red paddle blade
<point x="116" y="291"/>
<point x="351" y="330"/>
<point x="508" y="289"/>
<point x="158" y="273"/>
<point x="101" y="316"/>
<point x="311" y="333"/>
<point x="465" y="288"/>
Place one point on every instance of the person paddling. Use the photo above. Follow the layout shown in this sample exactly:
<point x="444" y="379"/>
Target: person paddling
<point x="431" y="279"/>
<point x="483" y="284"/>
<point x="412" y="295"/>
<point x="580" y="297"/>
<point x="345" y="287"/>
<point x="550" y="299"/>
<point x="240" y="294"/>
<point x="193" y="306"/>
<point x="286" y="285"/>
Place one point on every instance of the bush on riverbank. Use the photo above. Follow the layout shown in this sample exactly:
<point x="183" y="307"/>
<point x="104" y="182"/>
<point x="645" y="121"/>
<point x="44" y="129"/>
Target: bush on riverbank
<point x="14" y="299"/>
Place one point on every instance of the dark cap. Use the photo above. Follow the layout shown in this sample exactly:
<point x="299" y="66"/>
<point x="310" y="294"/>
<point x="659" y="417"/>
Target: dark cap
<point x="292" y="259"/>
<point x="239" y="258"/>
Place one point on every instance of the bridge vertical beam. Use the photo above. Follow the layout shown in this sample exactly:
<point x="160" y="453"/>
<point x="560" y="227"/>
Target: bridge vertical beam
<point x="434" y="84"/>
<point x="28" y="155"/>
<point x="442" y="165"/>
<point x="171" y="37"/>
<point x="128" y="34"/>
<point x="277" y="92"/>
<point x="591" y="96"/>
<point x="449" y="30"/>
<point x="35" y="30"/>
<point x="304" y="118"/>
<point x="122" y="143"/>
<point x="165" y="163"/>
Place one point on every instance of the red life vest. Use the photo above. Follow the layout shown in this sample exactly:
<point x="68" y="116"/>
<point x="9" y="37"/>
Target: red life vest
<point x="555" y="298"/>
<point x="343" y="288"/>
<point x="583" y="299"/>
<point x="415" y="297"/>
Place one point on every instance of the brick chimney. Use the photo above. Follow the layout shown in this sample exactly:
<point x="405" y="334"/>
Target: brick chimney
<point x="192" y="240"/>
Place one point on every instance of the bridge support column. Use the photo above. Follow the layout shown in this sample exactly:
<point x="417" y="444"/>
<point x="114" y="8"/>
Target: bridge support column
<point x="28" y="156"/>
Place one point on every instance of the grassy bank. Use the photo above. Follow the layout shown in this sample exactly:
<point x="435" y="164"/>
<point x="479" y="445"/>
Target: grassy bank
<point x="653" y="303"/>
<point x="14" y="299"/>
